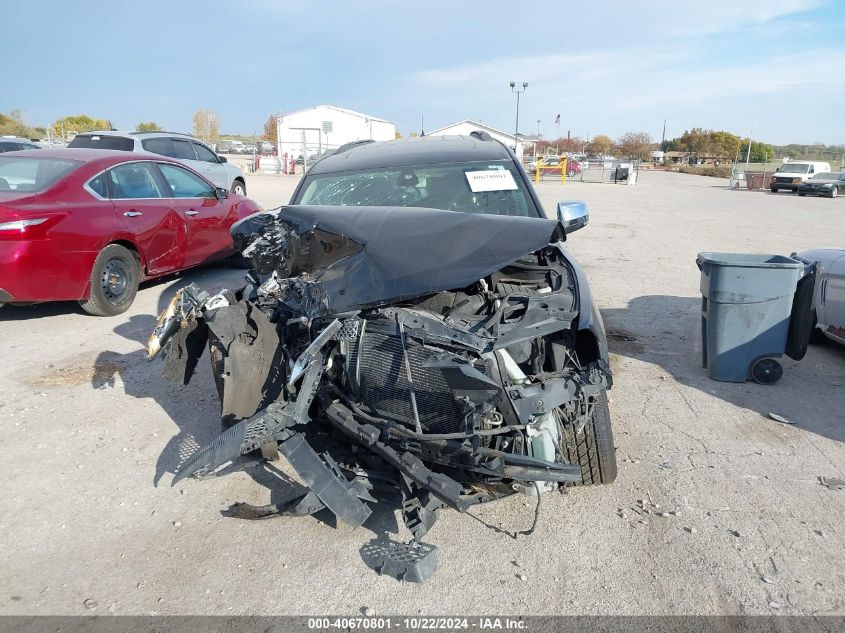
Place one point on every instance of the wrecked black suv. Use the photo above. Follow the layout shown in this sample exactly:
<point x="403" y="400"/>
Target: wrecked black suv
<point x="412" y="328"/>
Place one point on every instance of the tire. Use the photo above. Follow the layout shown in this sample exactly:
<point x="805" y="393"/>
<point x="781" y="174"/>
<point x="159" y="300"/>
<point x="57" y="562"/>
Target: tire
<point x="571" y="174"/>
<point x="816" y="336"/>
<point x="834" y="192"/>
<point x="592" y="448"/>
<point x="114" y="281"/>
<point x="801" y="194"/>
<point x="239" y="187"/>
<point x="773" y="190"/>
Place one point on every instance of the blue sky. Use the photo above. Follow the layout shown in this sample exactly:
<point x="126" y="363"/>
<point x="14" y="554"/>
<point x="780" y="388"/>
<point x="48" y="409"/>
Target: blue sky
<point x="606" y="67"/>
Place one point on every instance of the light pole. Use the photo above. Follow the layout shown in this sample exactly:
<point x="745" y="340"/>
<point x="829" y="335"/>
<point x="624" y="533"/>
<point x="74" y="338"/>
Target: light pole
<point x="536" y="145"/>
<point x="516" y="127"/>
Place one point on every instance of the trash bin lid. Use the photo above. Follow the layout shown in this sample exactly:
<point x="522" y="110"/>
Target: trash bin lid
<point x="748" y="260"/>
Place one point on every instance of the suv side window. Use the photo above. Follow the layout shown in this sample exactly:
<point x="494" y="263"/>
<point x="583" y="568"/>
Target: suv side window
<point x="161" y="145"/>
<point x="183" y="150"/>
<point x="205" y="154"/>
<point x="184" y="184"/>
<point x="134" y="181"/>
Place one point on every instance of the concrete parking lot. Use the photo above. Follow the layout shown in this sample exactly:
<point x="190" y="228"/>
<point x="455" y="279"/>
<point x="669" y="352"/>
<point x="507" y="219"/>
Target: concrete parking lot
<point x="717" y="508"/>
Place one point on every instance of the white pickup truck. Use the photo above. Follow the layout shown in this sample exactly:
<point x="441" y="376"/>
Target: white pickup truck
<point x="790" y="175"/>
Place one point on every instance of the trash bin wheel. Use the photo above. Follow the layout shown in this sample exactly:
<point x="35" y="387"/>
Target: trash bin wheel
<point x="766" y="371"/>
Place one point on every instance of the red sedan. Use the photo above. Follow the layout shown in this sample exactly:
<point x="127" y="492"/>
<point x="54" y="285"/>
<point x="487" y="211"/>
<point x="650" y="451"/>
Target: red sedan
<point x="573" y="167"/>
<point x="90" y="225"/>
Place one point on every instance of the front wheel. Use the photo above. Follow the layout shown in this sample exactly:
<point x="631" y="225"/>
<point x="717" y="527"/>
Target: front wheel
<point x="571" y="173"/>
<point x="801" y="194"/>
<point x="239" y="188"/>
<point x="592" y="447"/>
<point x="834" y="192"/>
<point x="773" y="190"/>
<point x="114" y="282"/>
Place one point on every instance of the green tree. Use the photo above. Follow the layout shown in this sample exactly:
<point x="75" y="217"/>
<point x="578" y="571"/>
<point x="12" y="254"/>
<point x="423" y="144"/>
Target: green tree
<point x="601" y="145"/>
<point x="725" y="144"/>
<point x="760" y="152"/>
<point x="149" y="126"/>
<point x="79" y="123"/>
<point x="398" y="135"/>
<point x="11" y="125"/>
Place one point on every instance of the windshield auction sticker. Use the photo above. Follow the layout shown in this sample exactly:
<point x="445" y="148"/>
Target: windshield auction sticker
<point x="498" y="180"/>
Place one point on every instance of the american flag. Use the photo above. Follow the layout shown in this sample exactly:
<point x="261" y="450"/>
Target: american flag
<point x="557" y="119"/>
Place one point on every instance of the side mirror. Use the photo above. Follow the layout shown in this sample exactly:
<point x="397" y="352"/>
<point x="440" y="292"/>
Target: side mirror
<point x="222" y="159"/>
<point x="573" y="215"/>
<point x="220" y="193"/>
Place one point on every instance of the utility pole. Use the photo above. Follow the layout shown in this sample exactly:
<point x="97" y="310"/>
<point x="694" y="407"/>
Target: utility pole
<point x="516" y="126"/>
<point x="748" y="153"/>
<point x="557" y="136"/>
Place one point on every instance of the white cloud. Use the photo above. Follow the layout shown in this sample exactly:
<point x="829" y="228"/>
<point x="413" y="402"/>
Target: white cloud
<point x="695" y="18"/>
<point x="634" y="88"/>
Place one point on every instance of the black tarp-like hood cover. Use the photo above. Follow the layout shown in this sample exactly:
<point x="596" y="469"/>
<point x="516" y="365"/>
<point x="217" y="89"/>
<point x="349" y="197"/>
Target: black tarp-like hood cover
<point x="357" y="257"/>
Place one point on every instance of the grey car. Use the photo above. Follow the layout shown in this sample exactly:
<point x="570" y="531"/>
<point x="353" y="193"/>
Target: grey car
<point x="14" y="144"/>
<point x="828" y="184"/>
<point x="193" y="152"/>
<point x="829" y="293"/>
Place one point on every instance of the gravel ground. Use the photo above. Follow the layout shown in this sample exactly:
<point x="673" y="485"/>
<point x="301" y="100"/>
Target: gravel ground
<point x="717" y="509"/>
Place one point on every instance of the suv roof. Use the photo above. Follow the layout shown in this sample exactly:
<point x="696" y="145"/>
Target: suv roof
<point x="135" y="133"/>
<point x="413" y="151"/>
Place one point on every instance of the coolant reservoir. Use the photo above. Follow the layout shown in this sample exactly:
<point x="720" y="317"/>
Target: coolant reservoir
<point x="544" y="438"/>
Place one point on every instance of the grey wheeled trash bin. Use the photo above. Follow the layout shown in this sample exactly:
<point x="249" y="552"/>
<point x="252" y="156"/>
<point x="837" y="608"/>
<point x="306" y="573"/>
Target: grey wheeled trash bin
<point x="745" y="313"/>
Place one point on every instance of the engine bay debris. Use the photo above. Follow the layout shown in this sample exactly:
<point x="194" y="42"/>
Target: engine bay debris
<point x="389" y="353"/>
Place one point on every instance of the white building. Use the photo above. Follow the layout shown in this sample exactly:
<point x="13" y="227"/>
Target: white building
<point x="465" y="127"/>
<point x="312" y="131"/>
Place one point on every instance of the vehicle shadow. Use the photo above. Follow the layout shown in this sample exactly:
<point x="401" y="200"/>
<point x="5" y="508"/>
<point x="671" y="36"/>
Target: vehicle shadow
<point x="194" y="408"/>
<point x="38" y="310"/>
<point x="30" y="311"/>
<point x="195" y="411"/>
<point x="666" y="331"/>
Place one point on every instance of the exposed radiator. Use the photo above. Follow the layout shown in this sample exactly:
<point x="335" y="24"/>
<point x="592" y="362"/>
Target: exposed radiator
<point x="376" y="368"/>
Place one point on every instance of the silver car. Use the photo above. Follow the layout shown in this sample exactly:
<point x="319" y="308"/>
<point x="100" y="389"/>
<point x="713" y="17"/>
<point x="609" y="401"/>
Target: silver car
<point x="182" y="147"/>
<point x="829" y="293"/>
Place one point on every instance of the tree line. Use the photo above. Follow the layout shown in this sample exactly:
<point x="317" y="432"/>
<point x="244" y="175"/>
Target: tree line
<point x="206" y="125"/>
<point x="699" y="143"/>
<point x="633" y="145"/>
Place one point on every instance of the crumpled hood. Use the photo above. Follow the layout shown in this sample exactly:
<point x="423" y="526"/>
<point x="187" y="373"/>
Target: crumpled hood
<point x="356" y="257"/>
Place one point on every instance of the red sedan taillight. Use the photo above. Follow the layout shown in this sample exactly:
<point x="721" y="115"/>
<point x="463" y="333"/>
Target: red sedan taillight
<point x="27" y="228"/>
